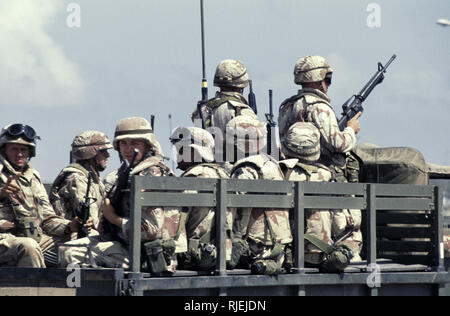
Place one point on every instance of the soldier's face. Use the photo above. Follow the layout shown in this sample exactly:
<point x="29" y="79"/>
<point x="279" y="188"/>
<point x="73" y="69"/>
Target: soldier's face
<point x="102" y="159"/>
<point x="17" y="154"/>
<point x="127" y="147"/>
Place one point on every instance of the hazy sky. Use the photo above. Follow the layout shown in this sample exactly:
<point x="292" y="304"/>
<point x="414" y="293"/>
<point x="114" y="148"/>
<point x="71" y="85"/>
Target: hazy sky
<point x="143" y="57"/>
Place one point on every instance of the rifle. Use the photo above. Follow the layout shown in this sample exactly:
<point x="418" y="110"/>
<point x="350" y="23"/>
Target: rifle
<point x="204" y="81"/>
<point x="84" y="211"/>
<point x="252" y="98"/>
<point x="354" y="105"/>
<point x="122" y="185"/>
<point x="152" y="122"/>
<point x="118" y="196"/>
<point x="270" y="125"/>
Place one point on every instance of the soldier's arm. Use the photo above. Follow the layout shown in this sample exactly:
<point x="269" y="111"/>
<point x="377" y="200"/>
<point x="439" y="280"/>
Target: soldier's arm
<point x="325" y="119"/>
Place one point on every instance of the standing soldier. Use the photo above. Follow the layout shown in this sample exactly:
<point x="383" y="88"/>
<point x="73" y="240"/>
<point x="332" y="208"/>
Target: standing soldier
<point x="262" y="235"/>
<point x="195" y="150"/>
<point x="301" y="146"/>
<point x="163" y="231"/>
<point x="69" y="190"/>
<point x="231" y="77"/>
<point x="311" y="104"/>
<point x="27" y="218"/>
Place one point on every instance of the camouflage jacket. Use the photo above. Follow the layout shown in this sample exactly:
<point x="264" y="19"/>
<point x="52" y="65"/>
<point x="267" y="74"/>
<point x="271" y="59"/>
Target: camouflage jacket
<point x="220" y="110"/>
<point x="32" y="201"/>
<point x="157" y="222"/>
<point x="294" y="170"/>
<point x="311" y="105"/>
<point x="261" y="225"/>
<point x="201" y="219"/>
<point x="69" y="190"/>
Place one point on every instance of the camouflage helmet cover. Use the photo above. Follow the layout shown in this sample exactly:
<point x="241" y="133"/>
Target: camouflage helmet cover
<point x="231" y="73"/>
<point x="200" y="140"/>
<point x="247" y="133"/>
<point x="136" y="128"/>
<point x="87" y="144"/>
<point x="7" y="139"/>
<point x="311" y="69"/>
<point x="302" y="141"/>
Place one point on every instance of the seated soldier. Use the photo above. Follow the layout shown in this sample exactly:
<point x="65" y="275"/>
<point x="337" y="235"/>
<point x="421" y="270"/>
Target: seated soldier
<point x="162" y="229"/>
<point x="29" y="227"/>
<point x="302" y="146"/>
<point x="195" y="156"/>
<point x="69" y="190"/>
<point x="262" y="237"/>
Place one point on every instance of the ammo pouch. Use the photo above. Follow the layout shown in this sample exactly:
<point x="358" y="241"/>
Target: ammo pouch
<point x="240" y="253"/>
<point x="158" y="254"/>
<point x="337" y="261"/>
<point x="201" y="255"/>
<point x="269" y="264"/>
<point x="26" y="227"/>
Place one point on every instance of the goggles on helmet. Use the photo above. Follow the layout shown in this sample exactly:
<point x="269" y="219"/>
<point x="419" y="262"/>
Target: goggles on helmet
<point x="20" y="129"/>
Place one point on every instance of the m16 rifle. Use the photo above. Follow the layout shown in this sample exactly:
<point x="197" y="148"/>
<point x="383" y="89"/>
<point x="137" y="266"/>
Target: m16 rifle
<point x="252" y="98"/>
<point x="117" y="198"/>
<point x="270" y="126"/>
<point x="354" y="105"/>
<point x="84" y="211"/>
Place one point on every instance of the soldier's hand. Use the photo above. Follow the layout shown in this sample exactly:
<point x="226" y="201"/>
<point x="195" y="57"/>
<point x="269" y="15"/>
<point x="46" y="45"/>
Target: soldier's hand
<point x="11" y="187"/>
<point x="89" y="224"/>
<point x="6" y="225"/>
<point x="76" y="222"/>
<point x="354" y="123"/>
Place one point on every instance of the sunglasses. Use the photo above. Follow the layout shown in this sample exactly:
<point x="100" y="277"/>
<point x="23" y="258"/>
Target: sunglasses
<point x="328" y="77"/>
<point x="20" y="129"/>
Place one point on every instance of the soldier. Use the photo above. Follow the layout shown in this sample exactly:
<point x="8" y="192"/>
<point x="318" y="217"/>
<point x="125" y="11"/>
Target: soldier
<point x="163" y="231"/>
<point x="301" y="146"/>
<point x="231" y="77"/>
<point x="262" y="237"/>
<point x="69" y="190"/>
<point x="195" y="156"/>
<point x="311" y="104"/>
<point x="29" y="225"/>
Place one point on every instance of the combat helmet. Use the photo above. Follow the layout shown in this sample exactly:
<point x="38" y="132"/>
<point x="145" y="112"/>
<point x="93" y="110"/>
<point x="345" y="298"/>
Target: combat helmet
<point x="311" y="69"/>
<point x="136" y="128"/>
<point x="200" y="140"/>
<point x="246" y="133"/>
<point x="19" y="134"/>
<point x="302" y="141"/>
<point x="231" y="73"/>
<point x="87" y="144"/>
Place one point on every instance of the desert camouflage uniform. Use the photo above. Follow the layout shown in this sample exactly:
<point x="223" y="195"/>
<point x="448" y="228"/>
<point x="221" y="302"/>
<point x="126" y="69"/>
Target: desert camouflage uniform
<point x="30" y="203"/>
<point x="217" y="112"/>
<point x="69" y="190"/>
<point x="157" y="223"/>
<point x="263" y="229"/>
<point x="312" y="105"/>
<point x="195" y="155"/>
<point x="70" y="186"/>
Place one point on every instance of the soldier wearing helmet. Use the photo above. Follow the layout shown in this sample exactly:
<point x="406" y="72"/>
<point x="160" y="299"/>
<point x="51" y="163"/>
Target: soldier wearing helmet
<point x="311" y="104"/>
<point x="195" y="156"/>
<point x="231" y="77"/>
<point x="69" y="190"/>
<point x="302" y="149"/>
<point x="160" y="226"/>
<point x="262" y="237"/>
<point x="29" y="227"/>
